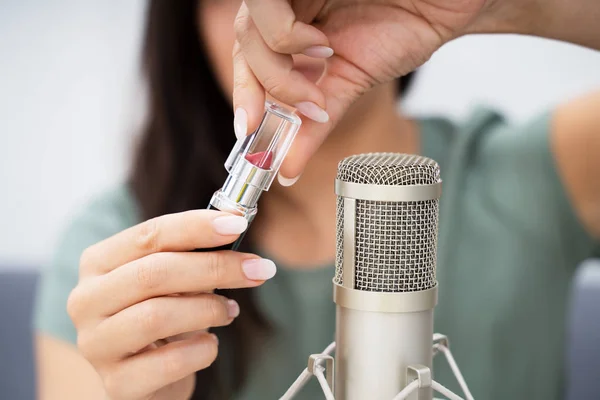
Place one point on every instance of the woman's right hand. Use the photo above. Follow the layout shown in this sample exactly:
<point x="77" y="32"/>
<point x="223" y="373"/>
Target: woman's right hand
<point x="367" y="43"/>
<point x="144" y="301"/>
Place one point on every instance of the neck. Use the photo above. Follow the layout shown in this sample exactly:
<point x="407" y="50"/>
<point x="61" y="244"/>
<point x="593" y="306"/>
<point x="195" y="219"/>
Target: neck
<point x="296" y="225"/>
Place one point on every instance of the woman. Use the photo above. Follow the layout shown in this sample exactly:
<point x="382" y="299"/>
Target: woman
<point x="519" y="212"/>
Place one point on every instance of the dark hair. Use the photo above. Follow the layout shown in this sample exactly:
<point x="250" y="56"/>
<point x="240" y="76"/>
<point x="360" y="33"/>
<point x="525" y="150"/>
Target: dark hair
<point x="179" y="161"/>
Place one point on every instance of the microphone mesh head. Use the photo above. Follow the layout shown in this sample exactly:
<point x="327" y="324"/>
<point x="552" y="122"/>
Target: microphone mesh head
<point x="396" y="242"/>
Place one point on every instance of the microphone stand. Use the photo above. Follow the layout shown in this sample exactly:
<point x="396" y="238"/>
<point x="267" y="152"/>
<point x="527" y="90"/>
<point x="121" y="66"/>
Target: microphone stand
<point x="418" y="376"/>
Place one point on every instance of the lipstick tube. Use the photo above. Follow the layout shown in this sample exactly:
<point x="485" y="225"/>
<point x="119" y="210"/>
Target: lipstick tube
<point x="254" y="163"/>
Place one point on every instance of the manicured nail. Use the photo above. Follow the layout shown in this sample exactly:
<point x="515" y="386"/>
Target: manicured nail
<point x="233" y="309"/>
<point x="230" y="225"/>
<point x="240" y="123"/>
<point x="319" y="52"/>
<point x="259" y="269"/>
<point x="283" y="181"/>
<point x="313" y="111"/>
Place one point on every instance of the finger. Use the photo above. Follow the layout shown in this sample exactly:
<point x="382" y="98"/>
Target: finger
<point x="340" y="94"/>
<point x="307" y="142"/>
<point x="248" y="96"/>
<point x="275" y="73"/>
<point x="184" y="336"/>
<point x="155" y="369"/>
<point x="134" y="328"/>
<point x="283" y="33"/>
<point x="184" y="231"/>
<point x="162" y="274"/>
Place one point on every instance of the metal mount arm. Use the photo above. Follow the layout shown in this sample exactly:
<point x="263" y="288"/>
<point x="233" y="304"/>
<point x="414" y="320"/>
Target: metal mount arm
<point x="322" y="367"/>
<point x="315" y="360"/>
<point x="419" y="377"/>
<point x="441" y="343"/>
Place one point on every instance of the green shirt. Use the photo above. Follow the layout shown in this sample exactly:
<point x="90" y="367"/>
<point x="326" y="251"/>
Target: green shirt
<point x="509" y="244"/>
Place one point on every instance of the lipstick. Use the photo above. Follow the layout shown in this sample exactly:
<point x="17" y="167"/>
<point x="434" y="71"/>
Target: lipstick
<point x="254" y="163"/>
<point x="262" y="159"/>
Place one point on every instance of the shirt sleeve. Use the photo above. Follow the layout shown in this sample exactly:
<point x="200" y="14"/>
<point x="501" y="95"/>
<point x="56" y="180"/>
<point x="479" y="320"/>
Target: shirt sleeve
<point x="514" y="167"/>
<point x="102" y="218"/>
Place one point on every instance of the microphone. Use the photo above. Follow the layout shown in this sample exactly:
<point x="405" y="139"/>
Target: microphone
<point x="385" y="287"/>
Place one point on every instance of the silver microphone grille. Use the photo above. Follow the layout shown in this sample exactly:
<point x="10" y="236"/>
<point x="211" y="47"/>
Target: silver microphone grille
<point x="395" y="242"/>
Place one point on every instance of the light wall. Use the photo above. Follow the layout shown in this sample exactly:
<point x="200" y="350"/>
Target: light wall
<point x="70" y="100"/>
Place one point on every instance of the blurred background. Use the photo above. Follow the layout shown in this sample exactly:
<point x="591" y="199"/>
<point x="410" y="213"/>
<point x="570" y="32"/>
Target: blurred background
<point x="71" y="102"/>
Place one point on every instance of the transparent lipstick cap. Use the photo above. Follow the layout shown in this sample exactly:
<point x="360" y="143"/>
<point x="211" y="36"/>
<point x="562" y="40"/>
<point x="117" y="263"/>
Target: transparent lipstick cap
<point x="261" y="153"/>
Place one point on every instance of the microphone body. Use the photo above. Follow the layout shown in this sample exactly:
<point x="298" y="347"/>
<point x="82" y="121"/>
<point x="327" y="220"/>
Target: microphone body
<point x="373" y="351"/>
<point x="384" y="287"/>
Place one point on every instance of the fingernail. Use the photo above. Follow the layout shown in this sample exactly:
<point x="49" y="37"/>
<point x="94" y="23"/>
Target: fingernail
<point x="240" y="123"/>
<point x="259" y="269"/>
<point x="230" y="225"/>
<point x="318" y="52"/>
<point x="233" y="309"/>
<point x="283" y="181"/>
<point x="313" y="111"/>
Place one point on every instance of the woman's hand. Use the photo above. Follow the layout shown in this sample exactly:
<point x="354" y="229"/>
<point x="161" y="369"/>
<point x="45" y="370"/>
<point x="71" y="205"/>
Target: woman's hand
<point x="368" y="42"/>
<point x="374" y="42"/>
<point x="144" y="302"/>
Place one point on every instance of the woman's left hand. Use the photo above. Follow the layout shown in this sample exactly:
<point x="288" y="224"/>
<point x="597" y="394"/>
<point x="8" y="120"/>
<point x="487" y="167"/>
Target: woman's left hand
<point x="374" y="42"/>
